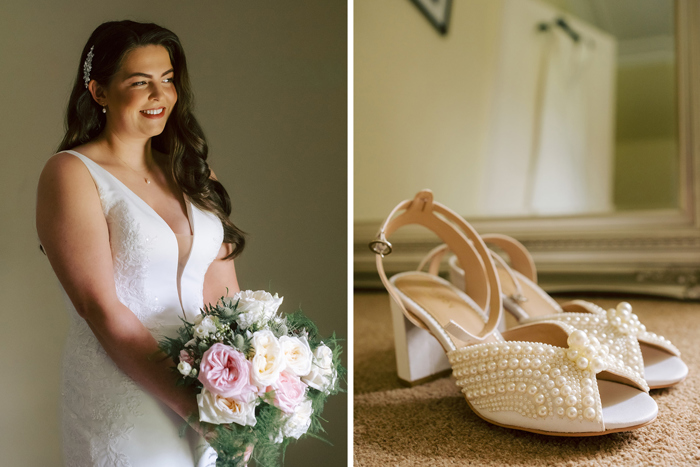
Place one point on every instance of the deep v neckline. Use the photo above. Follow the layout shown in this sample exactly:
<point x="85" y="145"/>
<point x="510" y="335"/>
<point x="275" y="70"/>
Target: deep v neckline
<point x="190" y="218"/>
<point x="188" y="203"/>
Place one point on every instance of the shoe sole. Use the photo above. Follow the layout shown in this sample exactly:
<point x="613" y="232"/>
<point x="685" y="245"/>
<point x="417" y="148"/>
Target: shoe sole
<point x="666" y="386"/>
<point x="427" y="379"/>
<point x="560" y="433"/>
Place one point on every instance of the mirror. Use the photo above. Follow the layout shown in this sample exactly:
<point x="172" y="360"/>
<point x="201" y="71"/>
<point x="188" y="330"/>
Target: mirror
<point x="424" y="119"/>
<point x="584" y="114"/>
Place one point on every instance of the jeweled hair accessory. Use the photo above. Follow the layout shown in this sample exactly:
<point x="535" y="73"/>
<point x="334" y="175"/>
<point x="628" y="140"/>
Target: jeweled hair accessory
<point x="87" y="66"/>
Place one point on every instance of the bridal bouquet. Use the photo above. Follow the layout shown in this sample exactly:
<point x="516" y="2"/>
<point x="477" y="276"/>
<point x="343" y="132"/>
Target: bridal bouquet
<point x="262" y="377"/>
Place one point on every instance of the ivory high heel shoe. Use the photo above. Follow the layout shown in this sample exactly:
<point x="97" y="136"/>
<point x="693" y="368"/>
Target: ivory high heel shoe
<point x="652" y="356"/>
<point x="544" y="377"/>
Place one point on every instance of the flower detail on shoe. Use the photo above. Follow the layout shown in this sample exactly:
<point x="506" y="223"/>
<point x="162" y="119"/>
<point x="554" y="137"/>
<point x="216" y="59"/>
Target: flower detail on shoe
<point x="624" y="320"/>
<point x="587" y="353"/>
<point x="637" y="330"/>
<point x="628" y="322"/>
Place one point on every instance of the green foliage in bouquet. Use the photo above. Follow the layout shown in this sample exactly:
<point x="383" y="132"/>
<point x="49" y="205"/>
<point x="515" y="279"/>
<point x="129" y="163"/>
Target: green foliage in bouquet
<point x="233" y="322"/>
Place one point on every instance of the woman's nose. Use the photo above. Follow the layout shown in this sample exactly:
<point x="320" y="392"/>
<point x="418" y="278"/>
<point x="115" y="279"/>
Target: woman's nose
<point x="156" y="91"/>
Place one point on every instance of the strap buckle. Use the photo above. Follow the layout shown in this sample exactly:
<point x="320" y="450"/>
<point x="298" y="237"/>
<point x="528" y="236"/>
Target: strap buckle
<point x="518" y="297"/>
<point x="381" y="246"/>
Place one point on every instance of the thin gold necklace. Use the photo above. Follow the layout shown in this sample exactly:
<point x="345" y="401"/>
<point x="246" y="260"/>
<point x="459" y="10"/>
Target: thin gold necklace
<point x="147" y="180"/>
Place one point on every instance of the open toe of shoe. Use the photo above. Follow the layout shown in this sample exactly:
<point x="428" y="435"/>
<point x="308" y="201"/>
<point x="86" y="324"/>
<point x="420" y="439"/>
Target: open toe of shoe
<point x="662" y="369"/>
<point x="625" y="407"/>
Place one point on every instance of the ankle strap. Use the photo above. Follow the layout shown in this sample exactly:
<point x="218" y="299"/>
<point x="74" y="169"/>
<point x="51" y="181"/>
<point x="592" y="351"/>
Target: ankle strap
<point x="481" y="281"/>
<point x="520" y="258"/>
<point x="433" y="259"/>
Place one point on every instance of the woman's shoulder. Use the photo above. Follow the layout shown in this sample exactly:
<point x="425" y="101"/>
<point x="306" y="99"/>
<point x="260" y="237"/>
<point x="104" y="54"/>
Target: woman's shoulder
<point x="67" y="162"/>
<point x="65" y="170"/>
<point x="66" y="194"/>
<point x="86" y="150"/>
<point x="64" y="164"/>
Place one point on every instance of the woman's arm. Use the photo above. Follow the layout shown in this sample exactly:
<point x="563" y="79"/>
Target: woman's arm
<point x="73" y="231"/>
<point x="220" y="275"/>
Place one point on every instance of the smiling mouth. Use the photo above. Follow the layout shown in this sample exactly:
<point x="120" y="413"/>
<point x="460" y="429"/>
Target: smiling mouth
<point x="153" y="111"/>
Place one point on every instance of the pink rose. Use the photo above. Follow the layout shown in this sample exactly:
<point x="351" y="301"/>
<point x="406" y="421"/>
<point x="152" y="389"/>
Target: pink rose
<point x="289" y="391"/>
<point x="225" y="371"/>
<point x="186" y="357"/>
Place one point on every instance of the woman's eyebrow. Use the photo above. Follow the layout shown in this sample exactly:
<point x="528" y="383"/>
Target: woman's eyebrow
<point x="147" y="75"/>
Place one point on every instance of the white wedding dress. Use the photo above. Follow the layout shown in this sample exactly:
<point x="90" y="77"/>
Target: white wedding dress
<point x="108" y="420"/>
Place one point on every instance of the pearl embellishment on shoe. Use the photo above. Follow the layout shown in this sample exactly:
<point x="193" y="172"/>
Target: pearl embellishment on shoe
<point x="536" y="381"/>
<point x="624" y="320"/>
<point x="587" y="352"/>
<point x="619" y="330"/>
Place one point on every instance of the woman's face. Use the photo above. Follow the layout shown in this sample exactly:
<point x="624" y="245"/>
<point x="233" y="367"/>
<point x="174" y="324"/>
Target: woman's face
<point x="143" y="83"/>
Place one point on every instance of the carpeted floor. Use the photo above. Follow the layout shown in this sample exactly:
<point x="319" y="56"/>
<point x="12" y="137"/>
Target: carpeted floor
<point x="431" y="425"/>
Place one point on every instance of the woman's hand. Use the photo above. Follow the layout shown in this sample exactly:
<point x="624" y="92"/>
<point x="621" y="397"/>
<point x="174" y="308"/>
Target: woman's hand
<point x="209" y="434"/>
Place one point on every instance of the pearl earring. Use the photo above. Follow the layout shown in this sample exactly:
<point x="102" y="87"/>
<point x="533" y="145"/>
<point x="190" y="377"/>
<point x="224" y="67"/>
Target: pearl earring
<point x="104" y="109"/>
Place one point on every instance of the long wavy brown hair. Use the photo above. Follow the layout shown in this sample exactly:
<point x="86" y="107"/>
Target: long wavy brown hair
<point x="182" y="139"/>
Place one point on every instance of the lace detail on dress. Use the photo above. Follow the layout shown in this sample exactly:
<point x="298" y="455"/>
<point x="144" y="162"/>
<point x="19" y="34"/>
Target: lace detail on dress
<point x="130" y="253"/>
<point x="98" y="408"/>
<point x="111" y="395"/>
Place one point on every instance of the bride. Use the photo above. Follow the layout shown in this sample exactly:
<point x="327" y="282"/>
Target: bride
<point x="135" y="226"/>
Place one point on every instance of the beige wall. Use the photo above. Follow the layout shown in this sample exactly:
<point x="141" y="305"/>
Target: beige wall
<point x="422" y="103"/>
<point x="270" y="84"/>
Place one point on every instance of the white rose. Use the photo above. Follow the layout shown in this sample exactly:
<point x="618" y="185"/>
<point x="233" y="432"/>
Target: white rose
<point x="297" y="354"/>
<point x="299" y="421"/>
<point x="191" y="343"/>
<point x="184" y="368"/>
<point x="322" y="375"/>
<point x="268" y="360"/>
<point x="205" y="327"/>
<point x="257" y="307"/>
<point x="216" y="409"/>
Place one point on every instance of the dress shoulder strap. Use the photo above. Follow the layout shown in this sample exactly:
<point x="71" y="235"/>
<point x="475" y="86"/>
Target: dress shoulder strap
<point x="107" y="188"/>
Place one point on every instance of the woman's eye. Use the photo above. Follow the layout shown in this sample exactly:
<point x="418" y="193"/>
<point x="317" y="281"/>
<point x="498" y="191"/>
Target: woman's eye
<point x="167" y="80"/>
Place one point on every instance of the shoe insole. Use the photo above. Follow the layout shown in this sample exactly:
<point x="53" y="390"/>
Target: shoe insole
<point x="625" y="406"/>
<point x="442" y="301"/>
<point x="661" y="369"/>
